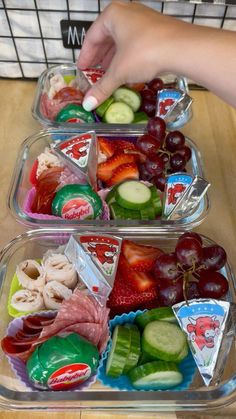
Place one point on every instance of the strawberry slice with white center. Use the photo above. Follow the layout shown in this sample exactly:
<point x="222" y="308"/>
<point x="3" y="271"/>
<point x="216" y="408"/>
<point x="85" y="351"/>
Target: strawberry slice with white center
<point x="139" y="281"/>
<point x="106" y="169"/>
<point x="140" y="258"/>
<point x="123" y="172"/>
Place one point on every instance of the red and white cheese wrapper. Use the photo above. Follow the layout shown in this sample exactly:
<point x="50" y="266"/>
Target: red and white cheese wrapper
<point x="88" y="77"/>
<point x="203" y="320"/>
<point x="87" y="270"/>
<point x="80" y="154"/>
<point x="104" y="251"/>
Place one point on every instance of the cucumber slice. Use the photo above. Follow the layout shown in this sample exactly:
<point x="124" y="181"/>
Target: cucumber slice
<point x="118" y="113"/>
<point x="101" y="109"/>
<point x="156" y="200"/>
<point x="119" y="213"/>
<point x="183" y="353"/>
<point x="119" y="352"/>
<point x="135" y="348"/>
<point x="133" y="194"/>
<point x="140" y="118"/>
<point x="128" y="96"/>
<point x="157" y="375"/>
<point x="144" y="358"/>
<point x="162" y="313"/>
<point x="147" y="213"/>
<point x="110" y="198"/>
<point x="163" y="340"/>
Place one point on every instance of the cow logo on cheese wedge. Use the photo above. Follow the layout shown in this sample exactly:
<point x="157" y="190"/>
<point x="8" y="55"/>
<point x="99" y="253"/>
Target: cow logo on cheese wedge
<point x="69" y="376"/>
<point x="77" y="208"/>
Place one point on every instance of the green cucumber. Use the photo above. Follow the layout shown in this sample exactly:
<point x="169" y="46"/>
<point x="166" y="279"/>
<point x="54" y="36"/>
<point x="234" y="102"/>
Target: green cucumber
<point x="133" y="194"/>
<point x="156" y="200"/>
<point x="140" y="118"/>
<point x="119" y="213"/>
<point x="162" y="313"/>
<point x="128" y="96"/>
<point x="183" y="353"/>
<point x="163" y="340"/>
<point x="144" y="358"/>
<point x="101" y="109"/>
<point x="147" y="213"/>
<point x="118" y="113"/>
<point x="110" y="198"/>
<point x="157" y="375"/>
<point x="135" y="348"/>
<point x="119" y="352"/>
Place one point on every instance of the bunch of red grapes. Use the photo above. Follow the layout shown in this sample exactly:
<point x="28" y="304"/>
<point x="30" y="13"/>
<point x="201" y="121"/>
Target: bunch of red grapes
<point x="191" y="271"/>
<point x="165" y="153"/>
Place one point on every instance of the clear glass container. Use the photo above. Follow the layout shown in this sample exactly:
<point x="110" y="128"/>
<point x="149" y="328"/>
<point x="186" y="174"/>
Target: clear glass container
<point x="13" y="395"/>
<point x="20" y="186"/>
<point x="70" y="70"/>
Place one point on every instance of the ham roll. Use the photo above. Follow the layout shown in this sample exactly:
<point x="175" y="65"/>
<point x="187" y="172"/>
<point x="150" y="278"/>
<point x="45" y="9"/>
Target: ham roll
<point x="54" y="293"/>
<point x="58" y="268"/>
<point x="27" y="300"/>
<point x="30" y="275"/>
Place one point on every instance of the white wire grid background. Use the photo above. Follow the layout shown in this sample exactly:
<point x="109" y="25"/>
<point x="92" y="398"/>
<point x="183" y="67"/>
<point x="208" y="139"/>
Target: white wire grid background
<point x="30" y="32"/>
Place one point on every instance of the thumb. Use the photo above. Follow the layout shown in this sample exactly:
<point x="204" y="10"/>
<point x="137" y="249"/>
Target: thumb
<point x="101" y="90"/>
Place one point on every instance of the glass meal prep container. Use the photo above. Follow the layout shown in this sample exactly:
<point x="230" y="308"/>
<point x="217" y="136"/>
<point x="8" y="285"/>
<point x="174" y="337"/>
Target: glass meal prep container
<point x="69" y="71"/>
<point x="20" y="187"/>
<point x="14" y="395"/>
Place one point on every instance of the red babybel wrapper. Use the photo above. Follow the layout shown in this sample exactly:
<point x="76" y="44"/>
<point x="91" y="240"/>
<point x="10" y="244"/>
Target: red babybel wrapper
<point x="80" y="154"/>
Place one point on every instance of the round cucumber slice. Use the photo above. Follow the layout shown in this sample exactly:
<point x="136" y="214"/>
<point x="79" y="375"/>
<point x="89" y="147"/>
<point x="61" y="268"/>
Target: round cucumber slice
<point x="158" y="375"/>
<point x="162" y="313"/>
<point x="147" y="213"/>
<point x="156" y="200"/>
<point x="163" y="340"/>
<point x="133" y="194"/>
<point x="183" y="353"/>
<point x="110" y="198"/>
<point x="101" y="109"/>
<point x="128" y="96"/>
<point x="117" y="357"/>
<point x="119" y="113"/>
<point x="140" y="118"/>
<point x="119" y="213"/>
<point x="135" y="348"/>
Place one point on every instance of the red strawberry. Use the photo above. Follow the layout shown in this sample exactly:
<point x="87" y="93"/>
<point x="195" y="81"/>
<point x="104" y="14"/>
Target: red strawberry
<point x="140" y="258"/>
<point x="106" y="169"/>
<point x="139" y="281"/>
<point x="124" y="172"/>
<point x="122" y="145"/>
<point x="106" y="147"/>
<point x="124" y="299"/>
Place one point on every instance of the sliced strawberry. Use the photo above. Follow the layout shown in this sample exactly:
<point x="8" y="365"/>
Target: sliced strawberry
<point x="106" y="147"/>
<point x="123" y="298"/>
<point x="122" y="145"/>
<point x="142" y="157"/>
<point x="106" y="169"/>
<point x="33" y="173"/>
<point x="139" y="281"/>
<point x="140" y="258"/>
<point x="123" y="172"/>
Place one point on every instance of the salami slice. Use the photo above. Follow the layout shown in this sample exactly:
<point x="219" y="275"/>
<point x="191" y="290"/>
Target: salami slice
<point x="89" y="331"/>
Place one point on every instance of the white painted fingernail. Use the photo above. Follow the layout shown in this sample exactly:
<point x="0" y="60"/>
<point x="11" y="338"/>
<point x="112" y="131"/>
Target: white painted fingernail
<point x="90" y="103"/>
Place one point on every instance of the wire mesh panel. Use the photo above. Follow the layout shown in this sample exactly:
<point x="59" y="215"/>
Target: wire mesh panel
<point x="31" y="35"/>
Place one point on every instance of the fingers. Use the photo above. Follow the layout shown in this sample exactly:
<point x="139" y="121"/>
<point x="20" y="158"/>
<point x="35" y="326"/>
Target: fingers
<point x="103" y="88"/>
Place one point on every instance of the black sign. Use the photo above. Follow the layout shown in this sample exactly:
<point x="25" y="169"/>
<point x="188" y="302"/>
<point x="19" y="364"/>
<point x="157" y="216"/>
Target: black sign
<point x="73" y="32"/>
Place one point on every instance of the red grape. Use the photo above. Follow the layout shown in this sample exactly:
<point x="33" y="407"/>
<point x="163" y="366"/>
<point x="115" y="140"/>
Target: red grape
<point x="193" y="291"/>
<point x="188" y="251"/>
<point x="149" y="106"/>
<point x="191" y="234"/>
<point x="186" y="152"/>
<point x="157" y="127"/>
<point x="147" y="144"/>
<point x="166" y="267"/>
<point x="154" y="164"/>
<point x="177" y="162"/>
<point x="174" y="141"/>
<point x="212" y="285"/>
<point x="214" y="258"/>
<point x="144" y="174"/>
<point x="169" y="292"/>
<point x="160" y="182"/>
<point x="156" y="84"/>
<point x="164" y="157"/>
<point x="147" y="94"/>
